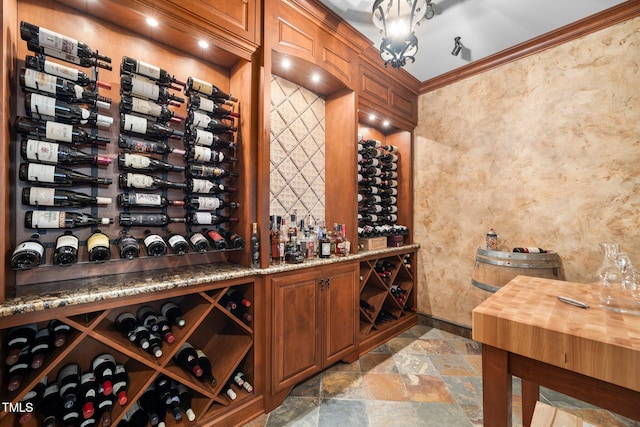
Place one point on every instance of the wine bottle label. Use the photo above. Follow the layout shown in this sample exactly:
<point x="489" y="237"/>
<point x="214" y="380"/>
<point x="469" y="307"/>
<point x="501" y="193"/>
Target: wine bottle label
<point x="97" y="240"/>
<point x="204" y="138"/>
<point x="203" y="218"/>
<point x="151" y="238"/>
<point x="40" y="81"/>
<point x="67" y="240"/>
<point x="148" y="70"/>
<point x="43" y="105"/>
<point x="42" y="151"/>
<point x="201" y="86"/>
<point x="145" y="107"/>
<point x="59" y="132"/>
<point x="48" y="38"/>
<point x="176" y="238"/>
<point x="147" y="199"/>
<point x="134" y="124"/>
<point x="48" y="219"/>
<point x="200" y="120"/>
<point x="61" y="70"/>
<point x="203" y="186"/>
<point x="144" y="89"/>
<point x="197" y="238"/>
<point x="136" y="162"/>
<point x="206" y="104"/>
<point x="209" y="203"/>
<point x="137" y="180"/>
<point x="201" y="154"/>
<point x="41" y="173"/>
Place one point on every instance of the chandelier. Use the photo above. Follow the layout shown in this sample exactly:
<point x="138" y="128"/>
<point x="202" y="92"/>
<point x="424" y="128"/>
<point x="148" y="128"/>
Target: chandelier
<point x="397" y="20"/>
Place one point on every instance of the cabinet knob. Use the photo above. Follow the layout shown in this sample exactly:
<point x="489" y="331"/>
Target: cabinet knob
<point x="328" y="282"/>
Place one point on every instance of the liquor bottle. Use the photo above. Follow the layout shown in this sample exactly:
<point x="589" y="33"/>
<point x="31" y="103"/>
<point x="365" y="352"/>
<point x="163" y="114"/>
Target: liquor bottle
<point x="137" y="162"/>
<point x="255" y="246"/>
<point x="284" y="239"/>
<point x="530" y="250"/>
<point x="154" y="244"/>
<point x="178" y="244"/>
<point x="64" y="90"/>
<point x="40" y="347"/>
<point x="126" y="324"/>
<point x="56" y="154"/>
<point x="218" y="242"/>
<point x="48" y="408"/>
<point x="187" y="359"/>
<point x="138" y="125"/>
<point x="28" y="254"/>
<point x="61" y="219"/>
<point x="68" y="383"/>
<point x="66" y="251"/>
<point x="164" y="329"/>
<point x="146" y="219"/>
<point x="217" y="109"/>
<point x="198" y="241"/>
<point x="17" y="371"/>
<point x="128" y="246"/>
<point x="274" y="240"/>
<point x="204" y="186"/>
<point x="200" y="170"/>
<point x="144" y="146"/>
<point x="132" y="65"/>
<point x="208" y="218"/>
<point x="103" y="407"/>
<point x="185" y="401"/>
<point x="40" y="63"/>
<point x="201" y="154"/>
<point x="147" y="317"/>
<point x="196" y="119"/>
<point x="234" y="240"/>
<point x="36" y="173"/>
<point x="120" y="384"/>
<point x="173" y="313"/>
<point x="104" y="367"/>
<point x="41" y="196"/>
<point x="141" y="336"/>
<point x="98" y="247"/>
<point x="201" y="137"/>
<point x="60" y="332"/>
<point x="150" y="403"/>
<point x="143" y="88"/>
<point x="200" y="87"/>
<point x="55" y="131"/>
<point x="325" y="245"/>
<point x="87" y="394"/>
<point x="158" y="112"/>
<point x="49" y="43"/>
<point x="155" y="345"/>
<point x="31" y="400"/>
<point x="340" y="242"/>
<point x="42" y="107"/>
<point x="205" y="365"/>
<point x="208" y="203"/>
<point x="241" y="380"/>
<point x="149" y="182"/>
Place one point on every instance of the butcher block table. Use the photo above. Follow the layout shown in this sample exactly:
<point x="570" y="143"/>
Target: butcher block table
<point x="591" y="354"/>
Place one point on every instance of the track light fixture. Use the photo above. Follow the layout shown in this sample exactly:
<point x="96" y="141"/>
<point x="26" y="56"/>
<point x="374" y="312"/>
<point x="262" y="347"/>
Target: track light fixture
<point x="457" y="47"/>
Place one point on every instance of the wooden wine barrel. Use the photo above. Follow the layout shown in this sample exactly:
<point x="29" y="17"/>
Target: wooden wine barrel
<point x="494" y="269"/>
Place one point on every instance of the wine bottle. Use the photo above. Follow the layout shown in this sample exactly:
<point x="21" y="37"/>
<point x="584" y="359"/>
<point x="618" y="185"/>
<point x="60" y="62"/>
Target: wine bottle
<point x="205" y="365"/>
<point x="66" y="249"/>
<point x="217" y="109"/>
<point x="158" y="112"/>
<point x="155" y="345"/>
<point x="120" y="384"/>
<point x="187" y="359"/>
<point x="42" y="107"/>
<point x="162" y="384"/>
<point x="137" y="162"/>
<point x="49" y="406"/>
<point x="154" y="244"/>
<point x="31" y="400"/>
<point x="61" y="219"/>
<point x="149" y="402"/>
<point x="132" y="65"/>
<point x="198" y="242"/>
<point x="60" y="332"/>
<point x="233" y="239"/>
<point x="104" y="366"/>
<point x="141" y="126"/>
<point x="87" y="394"/>
<point x="64" y="90"/>
<point x="126" y="324"/>
<point x="241" y="381"/>
<point x="204" y="171"/>
<point x="41" y="347"/>
<point x="128" y="246"/>
<point x="103" y="407"/>
<point x="178" y="244"/>
<point x="147" y="317"/>
<point x="147" y="219"/>
<point x="200" y="87"/>
<point x="68" y="382"/>
<point x="141" y="337"/>
<point x="530" y="250"/>
<point x="56" y="154"/>
<point x="173" y="313"/>
<point x="132" y="85"/>
<point x="205" y="138"/>
<point x="241" y="313"/>
<point x="144" y="146"/>
<point x="201" y="154"/>
<point x="208" y="218"/>
<point x="135" y="417"/>
<point x="142" y="181"/>
<point x="28" y="254"/>
<point x="164" y="329"/>
<point x="41" y="196"/>
<point x="56" y="176"/>
<point x="255" y="246"/>
<point x="146" y="200"/>
<point x="18" y="338"/>
<point x="208" y="203"/>
<point x="390" y="148"/>
<point x="229" y="391"/>
<point x="173" y="402"/>
<point x="203" y="186"/>
<point x="98" y="247"/>
<point x="185" y="401"/>
<point x="238" y="297"/>
<point x="17" y="371"/>
<point x="40" y="63"/>
<point x="200" y="120"/>
<point x="60" y="132"/>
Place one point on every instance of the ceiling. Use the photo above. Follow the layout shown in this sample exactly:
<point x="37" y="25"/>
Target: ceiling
<point x="485" y="27"/>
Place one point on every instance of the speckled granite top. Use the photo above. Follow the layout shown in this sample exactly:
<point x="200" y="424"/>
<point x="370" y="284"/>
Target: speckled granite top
<point x="81" y="291"/>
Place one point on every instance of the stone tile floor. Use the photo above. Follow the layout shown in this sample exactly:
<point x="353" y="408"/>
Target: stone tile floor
<point x="424" y="377"/>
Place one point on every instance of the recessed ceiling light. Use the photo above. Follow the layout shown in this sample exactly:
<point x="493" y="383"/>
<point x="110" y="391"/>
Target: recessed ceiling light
<point x="315" y="78"/>
<point x="152" y="22"/>
<point x="203" y="44"/>
<point x="372" y="117"/>
<point x="286" y="63"/>
<point x="385" y="123"/>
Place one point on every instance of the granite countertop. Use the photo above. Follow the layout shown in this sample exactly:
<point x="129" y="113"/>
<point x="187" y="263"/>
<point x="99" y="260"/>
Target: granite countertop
<point x="81" y="291"/>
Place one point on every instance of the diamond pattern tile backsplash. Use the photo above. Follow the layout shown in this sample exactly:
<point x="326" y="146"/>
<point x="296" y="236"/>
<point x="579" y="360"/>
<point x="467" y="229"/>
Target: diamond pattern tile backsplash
<point x="297" y="150"/>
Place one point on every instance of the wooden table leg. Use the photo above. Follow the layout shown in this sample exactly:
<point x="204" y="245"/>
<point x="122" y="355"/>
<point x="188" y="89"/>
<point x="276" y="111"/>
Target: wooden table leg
<point x="530" y="395"/>
<point x="496" y="387"/>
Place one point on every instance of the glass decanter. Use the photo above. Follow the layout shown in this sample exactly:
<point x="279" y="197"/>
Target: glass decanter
<point x="616" y="278"/>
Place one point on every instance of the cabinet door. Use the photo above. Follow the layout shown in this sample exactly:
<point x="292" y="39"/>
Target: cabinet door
<point x="296" y="328"/>
<point x="341" y="288"/>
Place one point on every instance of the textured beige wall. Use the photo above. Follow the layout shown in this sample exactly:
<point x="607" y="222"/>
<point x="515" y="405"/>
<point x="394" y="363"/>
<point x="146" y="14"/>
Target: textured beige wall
<point x="546" y="150"/>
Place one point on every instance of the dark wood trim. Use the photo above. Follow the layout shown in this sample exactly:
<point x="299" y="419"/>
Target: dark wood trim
<point x="614" y="15"/>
